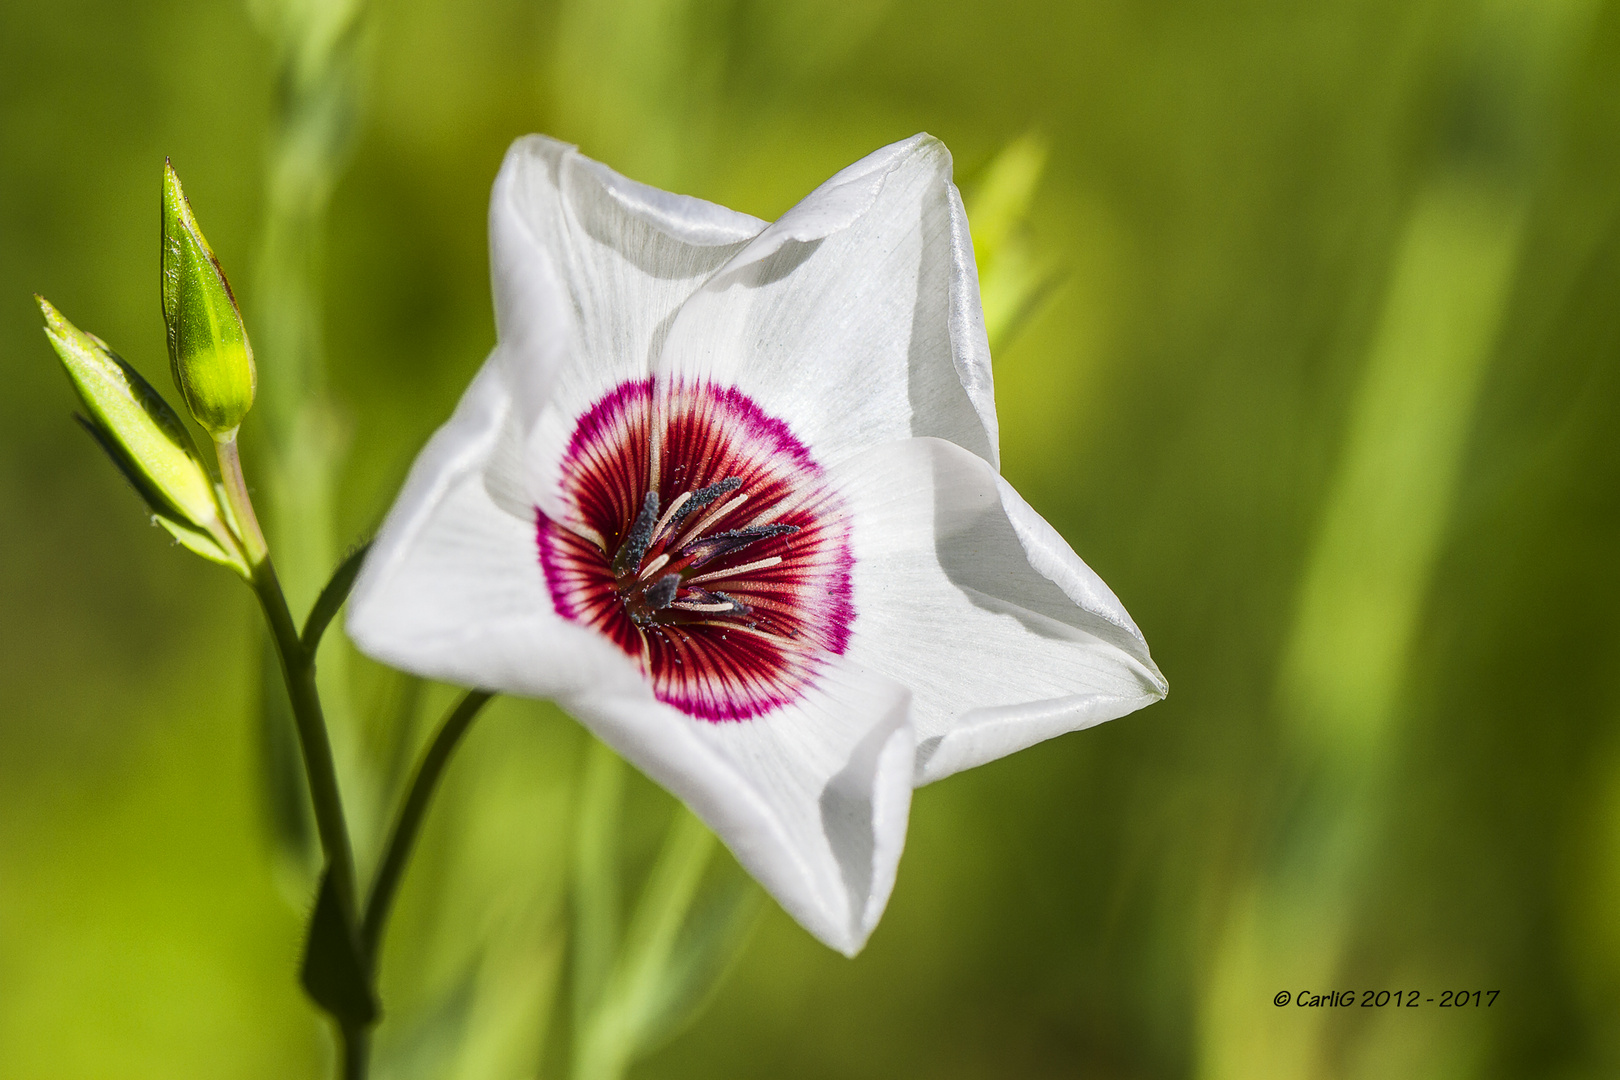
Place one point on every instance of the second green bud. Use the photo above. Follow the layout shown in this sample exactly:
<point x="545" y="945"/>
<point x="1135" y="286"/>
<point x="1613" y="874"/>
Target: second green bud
<point x="208" y="345"/>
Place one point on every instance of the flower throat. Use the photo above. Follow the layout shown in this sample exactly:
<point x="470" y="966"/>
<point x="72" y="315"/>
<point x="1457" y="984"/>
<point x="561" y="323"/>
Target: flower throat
<point x="703" y="540"/>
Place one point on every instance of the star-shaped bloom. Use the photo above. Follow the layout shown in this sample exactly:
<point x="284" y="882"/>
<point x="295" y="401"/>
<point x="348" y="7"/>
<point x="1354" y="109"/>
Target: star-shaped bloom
<point x="728" y="492"/>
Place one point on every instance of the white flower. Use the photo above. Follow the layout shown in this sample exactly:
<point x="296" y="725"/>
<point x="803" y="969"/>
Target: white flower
<point x="727" y="491"/>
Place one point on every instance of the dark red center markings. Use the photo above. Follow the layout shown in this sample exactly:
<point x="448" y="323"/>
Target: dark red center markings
<point x="705" y="542"/>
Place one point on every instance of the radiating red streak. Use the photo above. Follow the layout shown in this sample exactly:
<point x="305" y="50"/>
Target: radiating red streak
<point x="718" y="668"/>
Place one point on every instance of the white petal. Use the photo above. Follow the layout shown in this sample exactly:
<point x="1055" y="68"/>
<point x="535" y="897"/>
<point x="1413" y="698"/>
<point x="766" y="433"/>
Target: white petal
<point x="812" y="798"/>
<point x="453" y="588"/>
<point x="835" y="205"/>
<point x="970" y="342"/>
<point x="856" y="317"/>
<point x="965" y="595"/>
<point x="589" y="268"/>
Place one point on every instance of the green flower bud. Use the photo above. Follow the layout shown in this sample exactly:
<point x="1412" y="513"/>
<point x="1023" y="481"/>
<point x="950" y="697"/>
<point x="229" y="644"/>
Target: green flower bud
<point x="146" y="439"/>
<point x="208" y="345"/>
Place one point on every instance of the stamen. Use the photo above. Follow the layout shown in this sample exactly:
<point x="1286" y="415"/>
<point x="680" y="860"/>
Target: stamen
<point x="710" y="518"/>
<point x="731" y="608"/>
<point x="711" y="603"/>
<point x="735" y="571"/>
<point x="786" y="644"/>
<point x="653" y="567"/>
<point x="663" y="522"/>
<point x="661" y="593"/>
<point x="712" y="547"/>
<point x="640" y="536"/>
<point x="703" y="496"/>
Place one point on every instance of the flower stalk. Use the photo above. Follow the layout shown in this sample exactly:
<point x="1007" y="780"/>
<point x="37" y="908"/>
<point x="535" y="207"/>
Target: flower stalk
<point x="236" y="498"/>
<point x="402" y="838"/>
<point x="298" y="670"/>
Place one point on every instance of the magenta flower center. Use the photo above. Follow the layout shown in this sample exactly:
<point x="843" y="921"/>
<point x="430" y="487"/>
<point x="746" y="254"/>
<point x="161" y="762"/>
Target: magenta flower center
<point x="703" y="540"/>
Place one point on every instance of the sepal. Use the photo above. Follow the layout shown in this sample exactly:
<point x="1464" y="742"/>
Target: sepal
<point x="146" y="439"/>
<point x="202" y="544"/>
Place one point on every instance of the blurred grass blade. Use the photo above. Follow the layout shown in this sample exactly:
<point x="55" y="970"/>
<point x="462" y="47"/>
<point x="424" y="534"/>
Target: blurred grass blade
<point x="1000" y="203"/>
<point x="1013" y="279"/>
<point x="1370" y="569"/>
<point x="319" y="76"/>
<point x="596" y="880"/>
<point x="710" y="943"/>
<point x="1362" y="592"/>
<point x="638" y="993"/>
<point x="283" y="786"/>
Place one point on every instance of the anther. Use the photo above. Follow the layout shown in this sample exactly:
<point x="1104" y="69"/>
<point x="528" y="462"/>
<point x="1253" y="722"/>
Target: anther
<point x="661" y="593"/>
<point x="703" y="496"/>
<point x="712" y="547"/>
<point x="711" y="517"/>
<point x="639" y="537"/>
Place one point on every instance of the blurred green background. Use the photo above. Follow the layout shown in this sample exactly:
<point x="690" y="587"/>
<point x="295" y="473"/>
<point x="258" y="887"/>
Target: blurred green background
<point x="1320" y="374"/>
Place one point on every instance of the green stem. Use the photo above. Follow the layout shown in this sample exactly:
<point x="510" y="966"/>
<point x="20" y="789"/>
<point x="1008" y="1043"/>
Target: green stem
<point x="298" y="669"/>
<point x="411" y="816"/>
<point x="356" y="1050"/>
<point x="236" y="495"/>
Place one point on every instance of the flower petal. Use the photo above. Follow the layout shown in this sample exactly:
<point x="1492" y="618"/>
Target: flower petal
<point x="588" y="268"/>
<point x="965" y="595"/>
<point x="812" y="798"/>
<point x="452" y="588"/>
<point x="856" y="316"/>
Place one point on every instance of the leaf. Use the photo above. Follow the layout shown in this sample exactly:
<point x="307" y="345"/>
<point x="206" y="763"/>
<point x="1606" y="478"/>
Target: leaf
<point x="332" y="596"/>
<point x="334" y="973"/>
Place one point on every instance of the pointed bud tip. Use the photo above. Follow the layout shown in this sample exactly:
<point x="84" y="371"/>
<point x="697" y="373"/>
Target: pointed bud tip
<point x="177" y="212"/>
<point x="64" y="334"/>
